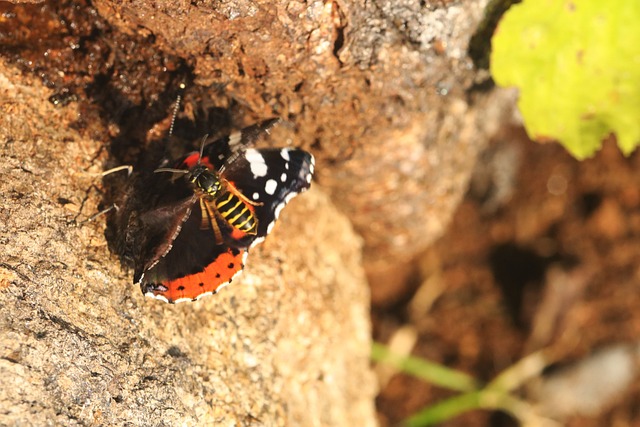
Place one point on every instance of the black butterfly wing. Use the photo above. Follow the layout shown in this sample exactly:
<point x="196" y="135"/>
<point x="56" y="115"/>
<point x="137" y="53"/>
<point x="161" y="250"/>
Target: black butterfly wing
<point x="269" y="178"/>
<point x="148" y="218"/>
<point x="156" y="231"/>
<point x="217" y="152"/>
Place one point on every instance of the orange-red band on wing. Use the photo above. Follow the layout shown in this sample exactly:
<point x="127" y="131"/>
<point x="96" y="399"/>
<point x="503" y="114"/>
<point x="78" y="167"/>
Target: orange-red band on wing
<point x="215" y="275"/>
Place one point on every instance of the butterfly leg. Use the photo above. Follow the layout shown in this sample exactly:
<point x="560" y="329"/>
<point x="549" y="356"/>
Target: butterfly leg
<point x="128" y="168"/>
<point x="99" y="214"/>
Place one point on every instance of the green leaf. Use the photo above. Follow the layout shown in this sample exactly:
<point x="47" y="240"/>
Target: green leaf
<point x="577" y="65"/>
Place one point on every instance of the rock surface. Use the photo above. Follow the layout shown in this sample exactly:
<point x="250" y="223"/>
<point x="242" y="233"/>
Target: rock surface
<point x="287" y="344"/>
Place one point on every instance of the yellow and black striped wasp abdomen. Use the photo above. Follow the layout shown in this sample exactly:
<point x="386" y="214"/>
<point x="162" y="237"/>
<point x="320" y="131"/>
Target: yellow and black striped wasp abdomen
<point x="236" y="211"/>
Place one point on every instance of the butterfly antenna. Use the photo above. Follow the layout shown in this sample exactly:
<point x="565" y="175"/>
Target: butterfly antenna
<point x="176" y="108"/>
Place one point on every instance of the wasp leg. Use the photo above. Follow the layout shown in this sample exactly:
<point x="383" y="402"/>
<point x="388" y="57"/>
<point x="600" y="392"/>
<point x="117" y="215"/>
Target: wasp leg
<point x="208" y="213"/>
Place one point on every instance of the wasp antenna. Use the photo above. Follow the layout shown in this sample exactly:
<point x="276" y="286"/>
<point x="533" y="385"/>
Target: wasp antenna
<point x="204" y="138"/>
<point x="180" y="171"/>
<point x="176" y="108"/>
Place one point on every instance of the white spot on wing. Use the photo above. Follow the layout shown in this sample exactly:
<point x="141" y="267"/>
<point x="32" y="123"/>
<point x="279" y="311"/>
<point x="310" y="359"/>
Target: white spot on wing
<point x="256" y="162"/>
<point x="255" y="196"/>
<point x="271" y="186"/>
<point x="283" y="177"/>
<point x="270" y="227"/>
<point x="308" y="178"/>
<point x="285" y="154"/>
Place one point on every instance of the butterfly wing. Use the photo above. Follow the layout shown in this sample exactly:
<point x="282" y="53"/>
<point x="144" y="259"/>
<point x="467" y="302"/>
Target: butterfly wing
<point x="176" y="258"/>
<point x="220" y="151"/>
<point x="194" y="266"/>
<point x="269" y="178"/>
<point x="159" y="229"/>
<point x="149" y="216"/>
<point x="156" y="231"/>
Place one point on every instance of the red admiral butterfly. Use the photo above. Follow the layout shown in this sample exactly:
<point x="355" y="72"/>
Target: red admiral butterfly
<point x="187" y="226"/>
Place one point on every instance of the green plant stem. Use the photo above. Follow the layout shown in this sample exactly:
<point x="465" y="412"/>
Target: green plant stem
<point x="487" y="399"/>
<point x="445" y="410"/>
<point x="423" y="369"/>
